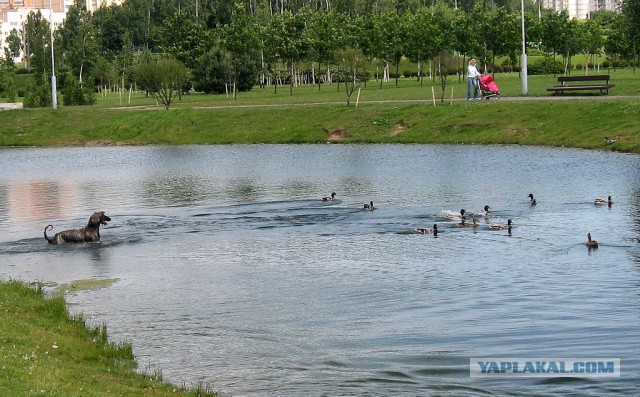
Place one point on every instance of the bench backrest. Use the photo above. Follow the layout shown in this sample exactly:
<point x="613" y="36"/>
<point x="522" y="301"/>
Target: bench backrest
<point x="584" y="78"/>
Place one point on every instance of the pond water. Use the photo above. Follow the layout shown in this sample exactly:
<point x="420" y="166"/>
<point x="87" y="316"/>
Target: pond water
<point x="234" y="272"/>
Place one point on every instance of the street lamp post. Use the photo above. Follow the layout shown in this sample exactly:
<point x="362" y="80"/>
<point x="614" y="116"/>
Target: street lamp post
<point x="523" y="59"/>
<point x="54" y="95"/>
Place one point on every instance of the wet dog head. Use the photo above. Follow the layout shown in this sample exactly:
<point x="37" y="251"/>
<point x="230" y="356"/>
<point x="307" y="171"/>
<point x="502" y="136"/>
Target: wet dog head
<point x="99" y="218"/>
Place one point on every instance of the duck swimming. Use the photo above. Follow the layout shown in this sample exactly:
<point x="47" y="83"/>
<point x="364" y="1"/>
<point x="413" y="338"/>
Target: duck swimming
<point x="333" y="195"/>
<point x="532" y="201"/>
<point x="501" y="227"/>
<point x="600" y="201"/>
<point x="591" y="243"/>
<point x="453" y="216"/>
<point x="427" y="230"/>
<point x="369" y="206"/>
<point x="484" y="212"/>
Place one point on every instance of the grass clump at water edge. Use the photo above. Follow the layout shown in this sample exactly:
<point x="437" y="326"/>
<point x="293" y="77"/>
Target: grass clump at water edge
<point x="45" y="351"/>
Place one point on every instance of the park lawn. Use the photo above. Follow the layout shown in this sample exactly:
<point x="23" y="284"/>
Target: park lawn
<point x="405" y="113"/>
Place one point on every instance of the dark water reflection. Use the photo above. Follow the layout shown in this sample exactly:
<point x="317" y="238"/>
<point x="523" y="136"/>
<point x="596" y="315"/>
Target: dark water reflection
<point x="234" y="272"/>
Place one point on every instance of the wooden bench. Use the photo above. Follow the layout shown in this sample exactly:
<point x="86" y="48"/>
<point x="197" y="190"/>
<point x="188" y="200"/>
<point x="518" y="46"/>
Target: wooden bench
<point x="604" y="88"/>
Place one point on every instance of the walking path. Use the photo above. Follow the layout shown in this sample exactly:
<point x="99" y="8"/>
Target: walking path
<point x="18" y="105"/>
<point x="10" y="105"/>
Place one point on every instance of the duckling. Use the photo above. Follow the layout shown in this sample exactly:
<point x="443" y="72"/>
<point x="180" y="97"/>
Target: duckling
<point x="501" y="227"/>
<point x="591" y="243"/>
<point x="532" y="201"/>
<point x="333" y="195"/>
<point x="426" y="230"/>
<point x="369" y="206"/>
<point x="600" y="201"/>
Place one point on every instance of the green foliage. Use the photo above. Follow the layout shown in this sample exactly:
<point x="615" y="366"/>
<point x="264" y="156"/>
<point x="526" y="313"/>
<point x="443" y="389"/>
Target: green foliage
<point x="75" y="94"/>
<point x="183" y="39"/>
<point x="8" y="79"/>
<point x="217" y="71"/>
<point x="352" y="65"/>
<point x="38" y="94"/>
<point x="79" y="44"/>
<point x="164" y="79"/>
<point x="546" y="65"/>
<point x="631" y="13"/>
<point x="37" y="47"/>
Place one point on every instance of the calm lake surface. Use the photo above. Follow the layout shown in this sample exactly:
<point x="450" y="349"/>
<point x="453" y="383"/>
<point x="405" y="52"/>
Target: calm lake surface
<point x="233" y="272"/>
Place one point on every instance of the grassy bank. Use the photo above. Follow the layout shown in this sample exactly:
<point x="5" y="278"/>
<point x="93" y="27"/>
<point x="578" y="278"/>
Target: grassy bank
<point x="45" y="352"/>
<point x="393" y="114"/>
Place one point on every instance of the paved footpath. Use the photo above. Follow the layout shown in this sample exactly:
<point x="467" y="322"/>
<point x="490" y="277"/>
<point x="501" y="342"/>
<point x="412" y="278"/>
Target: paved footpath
<point x="10" y="106"/>
<point x="18" y="105"/>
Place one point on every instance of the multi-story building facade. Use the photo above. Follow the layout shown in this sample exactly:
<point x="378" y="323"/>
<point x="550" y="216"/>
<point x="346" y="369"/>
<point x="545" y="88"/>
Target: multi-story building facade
<point x="580" y="9"/>
<point x="13" y="14"/>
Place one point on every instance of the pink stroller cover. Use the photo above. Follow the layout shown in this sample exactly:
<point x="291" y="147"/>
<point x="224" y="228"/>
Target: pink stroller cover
<point x="487" y="84"/>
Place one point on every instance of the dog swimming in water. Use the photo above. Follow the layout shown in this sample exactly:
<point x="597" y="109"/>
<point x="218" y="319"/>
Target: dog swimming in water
<point x="87" y="234"/>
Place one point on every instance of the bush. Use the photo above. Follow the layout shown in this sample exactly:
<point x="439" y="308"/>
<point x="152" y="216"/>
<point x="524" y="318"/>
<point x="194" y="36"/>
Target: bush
<point x="546" y="66"/>
<point x="22" y="71"/>
<point x="38" y="94"/>
<point x="606" y="64"/>
<point x="74" y="94"/>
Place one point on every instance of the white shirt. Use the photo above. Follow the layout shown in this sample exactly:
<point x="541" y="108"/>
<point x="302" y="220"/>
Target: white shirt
<point x="472" y="72"/>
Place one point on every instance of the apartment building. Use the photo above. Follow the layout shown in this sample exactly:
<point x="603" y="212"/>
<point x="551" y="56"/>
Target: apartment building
<point x="13" y="13"/>
<point x="580" y="9"/>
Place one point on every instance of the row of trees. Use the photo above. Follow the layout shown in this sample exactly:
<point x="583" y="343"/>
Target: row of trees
<point x="234" y="46"/>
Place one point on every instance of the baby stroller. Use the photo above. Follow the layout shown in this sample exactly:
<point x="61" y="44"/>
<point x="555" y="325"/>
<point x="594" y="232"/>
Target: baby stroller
<point x="488" y="87"/>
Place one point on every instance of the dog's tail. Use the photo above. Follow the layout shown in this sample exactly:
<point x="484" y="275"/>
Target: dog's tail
<point x="50" y="240"/>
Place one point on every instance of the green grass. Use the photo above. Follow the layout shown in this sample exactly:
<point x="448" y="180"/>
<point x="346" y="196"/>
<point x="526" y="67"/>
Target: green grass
<point x="45" y="352"/>
<point x="311" y="115"/>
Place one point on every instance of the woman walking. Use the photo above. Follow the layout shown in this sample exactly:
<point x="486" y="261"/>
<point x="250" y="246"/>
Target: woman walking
<point x="472" y="79"/>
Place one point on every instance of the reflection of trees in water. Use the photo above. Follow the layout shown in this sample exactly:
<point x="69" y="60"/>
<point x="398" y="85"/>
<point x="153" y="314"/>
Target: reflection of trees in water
<point x="4" y="205"/>
<point x="173" y="191"/>
<point x="243" y="190"/>
<point x="635" y="214"/>
<point x="34" y="200"/>
<point x="301" y="189"/>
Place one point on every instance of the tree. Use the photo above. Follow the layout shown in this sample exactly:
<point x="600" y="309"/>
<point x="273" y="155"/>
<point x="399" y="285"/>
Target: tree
<point x="78" y="34"/>
<point x="631" y="12"/>
<point x="110" y="31"/>
<point x="37" y="48"/>
<point x="325" y="37"/>
<point x="445" y="65"/>
<point x="394" y="39"/>
<point x="214" y="71"/>
<point x="293" y="45"/>
<point x="14" y="45"/>
<point x="593" y="40"/>
<point x="352" y="67"/>
<point x="38" y="94"/>
<point x="617" y="45"/>
<point x="8" y="78"/>
<point x="75" y="94"/>
<point x="502" y="35"/>
<point x="183" y="39"/>
<point x="163" y="79"/>
<point x="424" y="39"/>
<point x="242" y="42"/>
